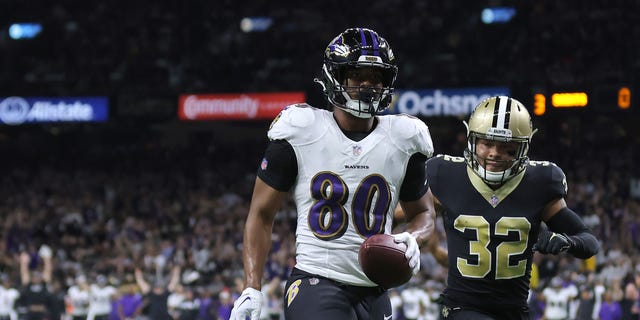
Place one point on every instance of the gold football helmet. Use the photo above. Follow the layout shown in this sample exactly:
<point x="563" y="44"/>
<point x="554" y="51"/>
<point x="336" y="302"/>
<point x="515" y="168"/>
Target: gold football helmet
<point x="501" y="119"/>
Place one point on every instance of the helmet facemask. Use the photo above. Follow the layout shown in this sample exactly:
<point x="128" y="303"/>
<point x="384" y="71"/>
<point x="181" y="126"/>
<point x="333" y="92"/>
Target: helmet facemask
<point x="355" y="49"/>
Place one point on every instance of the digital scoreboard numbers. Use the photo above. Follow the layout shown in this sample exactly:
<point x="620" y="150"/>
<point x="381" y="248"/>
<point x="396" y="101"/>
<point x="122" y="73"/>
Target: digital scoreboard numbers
<point x="601" y="99"/>
<point x="624" y="98"/>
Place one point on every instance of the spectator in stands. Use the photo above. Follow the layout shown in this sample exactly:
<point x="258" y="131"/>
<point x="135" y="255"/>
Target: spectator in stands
<point x="189" y="307"/>
<point x="629" y="301"/>
<point x="35" y="296"/>
<point x="225" y="304"/>
<point x="129" y="305"/>
<point x="609" y="309"/>
<point x="156" y="296"/>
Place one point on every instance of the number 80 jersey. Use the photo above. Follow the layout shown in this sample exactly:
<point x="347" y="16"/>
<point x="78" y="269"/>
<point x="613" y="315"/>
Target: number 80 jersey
<point x="345" y="190"/>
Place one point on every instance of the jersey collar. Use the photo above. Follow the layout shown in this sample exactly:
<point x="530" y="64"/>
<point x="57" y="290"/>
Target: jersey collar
<point x="494" y="197"/>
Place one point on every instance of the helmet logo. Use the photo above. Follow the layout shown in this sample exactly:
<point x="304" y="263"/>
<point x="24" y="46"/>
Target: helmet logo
<point x="339" y="49"/>
<point x="506" y="133"/>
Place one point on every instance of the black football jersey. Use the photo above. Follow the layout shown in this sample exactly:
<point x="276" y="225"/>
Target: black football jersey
<point x="490" y="233"/>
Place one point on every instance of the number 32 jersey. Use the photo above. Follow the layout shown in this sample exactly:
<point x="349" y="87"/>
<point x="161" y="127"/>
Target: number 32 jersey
<point x="490" y="233"/>
<point x="345" y="190"/>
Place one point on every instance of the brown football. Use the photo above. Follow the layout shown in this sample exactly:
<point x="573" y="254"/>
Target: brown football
<point x="383" y="261"/>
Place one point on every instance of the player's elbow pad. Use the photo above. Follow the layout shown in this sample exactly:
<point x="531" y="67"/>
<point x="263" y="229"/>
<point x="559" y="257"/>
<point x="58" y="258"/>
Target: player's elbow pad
<point x="584" y="245"/>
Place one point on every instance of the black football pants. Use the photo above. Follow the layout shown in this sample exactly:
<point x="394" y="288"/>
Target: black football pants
<point x="311" y="297"/>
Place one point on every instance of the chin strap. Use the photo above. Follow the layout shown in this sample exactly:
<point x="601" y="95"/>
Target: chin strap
<point x="355" y="108"/>
<point x="496" y="177"/>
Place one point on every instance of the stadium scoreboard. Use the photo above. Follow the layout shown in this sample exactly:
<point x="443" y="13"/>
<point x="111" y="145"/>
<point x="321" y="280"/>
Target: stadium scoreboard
<point x="602" y="99"/>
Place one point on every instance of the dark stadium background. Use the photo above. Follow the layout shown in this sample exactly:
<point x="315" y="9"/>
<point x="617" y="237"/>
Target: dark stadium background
<point x="143" y="55"/>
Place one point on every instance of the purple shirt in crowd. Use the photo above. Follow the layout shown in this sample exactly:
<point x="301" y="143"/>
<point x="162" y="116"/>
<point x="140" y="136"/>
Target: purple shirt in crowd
<point x="610" y="311"/>
<point x="129" y="303"/>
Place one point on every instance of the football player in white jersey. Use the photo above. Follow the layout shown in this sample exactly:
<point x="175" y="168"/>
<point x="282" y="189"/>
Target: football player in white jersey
<point x="557" y="298"/>
<point x="347" y="169"/>
<point x="101" y="296"/>
<point x="8" y="297"/>
<point x="78" y="297"/>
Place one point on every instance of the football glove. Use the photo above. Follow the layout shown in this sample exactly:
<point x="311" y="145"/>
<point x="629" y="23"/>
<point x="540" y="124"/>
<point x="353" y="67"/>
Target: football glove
<point x="554" y="243"/>
<point x="248" y="304"/>
<point x="413" y="251"/>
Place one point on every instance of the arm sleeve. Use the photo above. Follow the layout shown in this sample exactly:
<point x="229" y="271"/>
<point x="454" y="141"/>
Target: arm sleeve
<point x="279" y="167"/>
<point x="414" y="186"/>
<point x="583" y="243"/>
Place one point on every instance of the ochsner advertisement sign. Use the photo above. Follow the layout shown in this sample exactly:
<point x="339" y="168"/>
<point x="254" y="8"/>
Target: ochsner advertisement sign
<point x="18" y="110"/>
<point x="236" y="106"/>
<point x="442" y="102"/>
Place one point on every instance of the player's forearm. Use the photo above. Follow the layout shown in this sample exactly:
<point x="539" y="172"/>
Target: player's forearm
<point x="256" y="246"/>
<point x="441" y="255"/>
<point x="422" y="224"/>
<point x="421" y="227"/>
<point x="584" y="245"/>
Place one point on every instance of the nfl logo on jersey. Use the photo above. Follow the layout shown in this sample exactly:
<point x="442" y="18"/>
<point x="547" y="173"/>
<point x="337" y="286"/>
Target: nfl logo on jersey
<point x="357" y="150"/>
<point x="263" y="164"/>
<point x="494" y="200"/>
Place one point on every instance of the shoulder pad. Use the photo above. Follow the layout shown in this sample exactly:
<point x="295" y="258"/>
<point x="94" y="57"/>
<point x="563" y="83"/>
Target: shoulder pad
<point x="293" y="123"/>
<point x="449" y="158"/>
<point x="556" y="176"/>
<point x="413" y="133"/>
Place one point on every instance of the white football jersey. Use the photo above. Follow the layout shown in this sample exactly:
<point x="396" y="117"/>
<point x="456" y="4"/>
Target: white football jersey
<point x="8" y="297"/>
<point x="79" y="299"/>
<point x="415" y="302"/>
<point x="100" y="303"/>
<point x="345" y="190"/>
<point x="557" y="301"/>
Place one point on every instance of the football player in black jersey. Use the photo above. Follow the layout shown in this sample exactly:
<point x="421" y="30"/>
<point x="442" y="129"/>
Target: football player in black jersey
<point x="493" y="202"/>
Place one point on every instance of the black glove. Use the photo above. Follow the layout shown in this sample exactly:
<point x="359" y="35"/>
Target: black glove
<point x="554" y="243"/>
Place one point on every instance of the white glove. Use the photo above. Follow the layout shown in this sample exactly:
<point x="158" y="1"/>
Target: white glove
<point x="248" y="304"/>
<point x="413" y="251"/>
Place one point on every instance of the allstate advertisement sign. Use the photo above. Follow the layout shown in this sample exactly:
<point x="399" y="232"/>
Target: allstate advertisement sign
<point x="18" y="110"/>
<point x="442" y="102"/>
